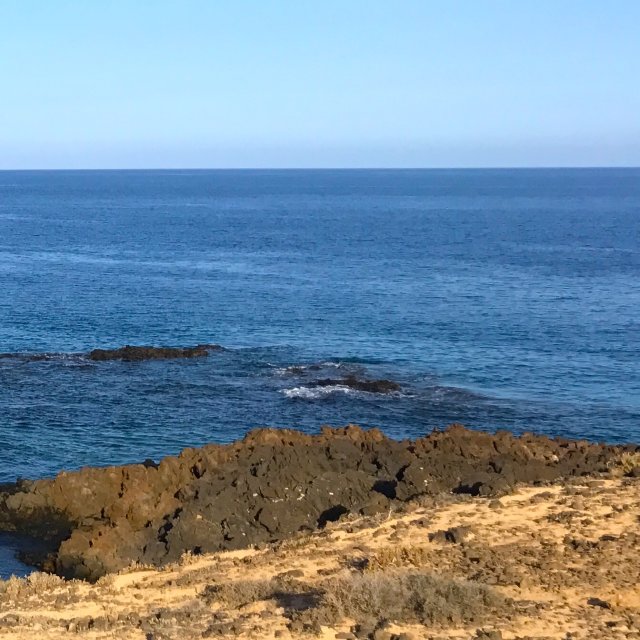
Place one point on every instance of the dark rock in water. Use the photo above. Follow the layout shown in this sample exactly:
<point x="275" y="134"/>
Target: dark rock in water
<point x="130" y="353"/>
<point x="295" y="371"/>
<point x="370" y="386"/>
<point x="266" y="487"/>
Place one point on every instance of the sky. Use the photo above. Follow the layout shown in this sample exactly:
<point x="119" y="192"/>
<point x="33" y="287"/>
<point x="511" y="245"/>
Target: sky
<point x="323" y="83"/>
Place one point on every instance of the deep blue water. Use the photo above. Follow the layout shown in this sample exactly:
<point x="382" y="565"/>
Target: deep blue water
<point x="500" y="299"/>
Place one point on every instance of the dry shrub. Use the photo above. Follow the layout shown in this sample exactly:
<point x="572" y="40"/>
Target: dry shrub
<point x="397" y="557"/>
<point x="239" y="593"/>
<point x="40" y="581"/>
<point x="107" y="584"/>
<point x="187" y="558"/>
<point x="35" y="584"/>
<point x="403" y="596"/>
<point x="627" y="462"/>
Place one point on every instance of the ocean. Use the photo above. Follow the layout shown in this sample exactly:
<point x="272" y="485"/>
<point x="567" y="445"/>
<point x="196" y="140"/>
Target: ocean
<point x="501" y="299"/>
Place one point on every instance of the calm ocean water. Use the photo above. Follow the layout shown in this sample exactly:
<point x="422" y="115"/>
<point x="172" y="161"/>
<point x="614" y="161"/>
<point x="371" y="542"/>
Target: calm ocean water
<point x="500" y="299"/>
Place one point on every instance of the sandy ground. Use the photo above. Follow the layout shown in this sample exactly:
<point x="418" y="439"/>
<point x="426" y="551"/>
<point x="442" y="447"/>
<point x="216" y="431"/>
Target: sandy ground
<point x="567" y="555"/>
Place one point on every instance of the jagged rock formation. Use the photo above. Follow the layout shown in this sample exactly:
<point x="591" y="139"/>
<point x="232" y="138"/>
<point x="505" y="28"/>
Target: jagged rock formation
<point x="268" y="486"/>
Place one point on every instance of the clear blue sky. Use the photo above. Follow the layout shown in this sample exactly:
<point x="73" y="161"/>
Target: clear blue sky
<point x="323" y="83"/>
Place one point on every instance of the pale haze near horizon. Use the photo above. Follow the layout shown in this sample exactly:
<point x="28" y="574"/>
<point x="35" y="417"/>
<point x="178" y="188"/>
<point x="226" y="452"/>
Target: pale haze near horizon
<point x="319" y="84"/>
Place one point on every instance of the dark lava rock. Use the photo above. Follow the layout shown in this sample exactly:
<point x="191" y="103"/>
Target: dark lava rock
<point x="454" y="535"/>
<point x="370" y="386"/>
<point x="488" y="634"/>
<point x="264" y="488"/>
<point x="597" y="602"/>
<point x="130" y="353"/>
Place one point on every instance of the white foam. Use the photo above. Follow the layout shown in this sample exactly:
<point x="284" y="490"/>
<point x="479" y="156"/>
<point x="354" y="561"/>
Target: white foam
<point x="315" y="393"/>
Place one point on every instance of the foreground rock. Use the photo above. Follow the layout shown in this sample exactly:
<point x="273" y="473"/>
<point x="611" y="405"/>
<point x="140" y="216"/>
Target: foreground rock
<point x="130" y="353"/>
<point x="269" y="486"/>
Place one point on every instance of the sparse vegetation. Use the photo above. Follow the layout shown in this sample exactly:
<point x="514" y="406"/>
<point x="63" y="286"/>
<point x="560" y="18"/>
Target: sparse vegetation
<point x="108" y="583"/>
<point x="239" y="593"/>
<point x="36" y="583"/>
<point x="397" y="557"/>
<point x="627" y="462"/>
<point x="404" y="596"/>
<point x="401" y="596"/>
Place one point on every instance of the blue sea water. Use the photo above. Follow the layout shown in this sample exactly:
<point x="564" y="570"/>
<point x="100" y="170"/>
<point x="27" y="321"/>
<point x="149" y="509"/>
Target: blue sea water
<point x="497" y="298"/>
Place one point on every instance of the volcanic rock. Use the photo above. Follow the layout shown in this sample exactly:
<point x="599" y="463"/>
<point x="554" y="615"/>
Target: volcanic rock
<point x="266" y="487"/>
<point x="130" y="353"/>
<point x="370" y="386"/>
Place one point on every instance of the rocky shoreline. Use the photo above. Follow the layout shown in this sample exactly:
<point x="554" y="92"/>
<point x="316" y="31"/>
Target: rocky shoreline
<point x="269" y="486"/>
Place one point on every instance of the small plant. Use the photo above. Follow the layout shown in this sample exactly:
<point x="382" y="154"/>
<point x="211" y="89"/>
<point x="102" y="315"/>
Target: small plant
<point x="628" y="461"/>
<point x="624" y="464"/>
<point x="107" y="583"/>
<point x="397" y="557"/>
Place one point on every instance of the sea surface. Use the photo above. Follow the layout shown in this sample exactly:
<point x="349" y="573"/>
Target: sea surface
<point x="502" y="299"/>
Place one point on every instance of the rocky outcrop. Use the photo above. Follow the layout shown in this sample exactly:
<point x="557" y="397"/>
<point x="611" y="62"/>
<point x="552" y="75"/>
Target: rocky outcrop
<point x="269" y="485"/>
<point x="130" y="353"/>
<point x="370" y="386"/>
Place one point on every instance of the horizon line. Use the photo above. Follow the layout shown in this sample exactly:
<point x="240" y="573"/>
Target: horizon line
<point x="337" y="168"/>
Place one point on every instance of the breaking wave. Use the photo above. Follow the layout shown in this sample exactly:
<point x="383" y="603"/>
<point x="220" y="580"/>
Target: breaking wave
<point x="316" y="393"/>
<point x="320" y="392"/>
